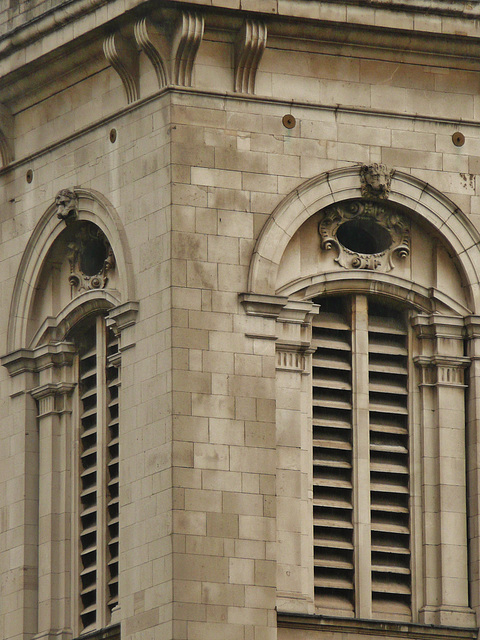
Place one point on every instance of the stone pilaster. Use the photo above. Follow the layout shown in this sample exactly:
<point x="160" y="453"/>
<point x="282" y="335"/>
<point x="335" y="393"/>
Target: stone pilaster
<point x="441" y="366"/>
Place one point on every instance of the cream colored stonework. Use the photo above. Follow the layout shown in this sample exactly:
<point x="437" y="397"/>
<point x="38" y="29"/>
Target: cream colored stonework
<point x="206" y="141"/>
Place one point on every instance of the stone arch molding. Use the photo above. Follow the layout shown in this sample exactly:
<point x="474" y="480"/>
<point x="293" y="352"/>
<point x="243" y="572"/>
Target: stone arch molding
<point x="423" y="201"/>
<point x="93" y="207"/>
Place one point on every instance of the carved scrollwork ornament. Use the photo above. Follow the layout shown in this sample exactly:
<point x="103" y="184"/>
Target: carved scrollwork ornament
<point x="91" y="259"/>
<point x="374" y="232"/>
<point x="375" y="180"/>
<point x="66" y="203"/>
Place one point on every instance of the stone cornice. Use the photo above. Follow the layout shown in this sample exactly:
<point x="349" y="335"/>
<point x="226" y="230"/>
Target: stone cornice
<point x="314" y="21"/>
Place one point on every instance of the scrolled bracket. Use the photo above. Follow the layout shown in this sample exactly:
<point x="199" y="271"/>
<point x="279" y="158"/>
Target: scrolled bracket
<point x="249" y="48"/>
<point x="154" y="44"/>
<point x="187" y="37"/>
<point x="123" y="56"/>
<point x="6" y="135"/>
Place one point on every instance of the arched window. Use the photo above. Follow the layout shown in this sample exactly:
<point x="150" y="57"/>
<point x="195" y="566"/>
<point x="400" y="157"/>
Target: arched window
<point x="69" y="322"/>
<point x="374" y="294"/>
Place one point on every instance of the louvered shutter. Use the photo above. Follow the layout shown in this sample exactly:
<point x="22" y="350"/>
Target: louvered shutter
<point x="89" y="486"/>
<point x="332" y="461"/>
<point x="347" y="334"/>
<point x="112" y="477"/>
<point x="99" y="475"/>
<point x="389" y="465"/>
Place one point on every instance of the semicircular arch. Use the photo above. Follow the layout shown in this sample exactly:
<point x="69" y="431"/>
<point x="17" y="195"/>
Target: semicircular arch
<point x="424" y="202"/>
<point x="92" y="207"/>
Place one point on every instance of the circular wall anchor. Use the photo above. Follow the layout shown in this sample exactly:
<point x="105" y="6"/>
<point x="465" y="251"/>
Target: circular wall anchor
<point x="458" y="139"/>
<point x="29" y="176"/>
<point x="113" y="135"/>
<point x="288" y="121"/>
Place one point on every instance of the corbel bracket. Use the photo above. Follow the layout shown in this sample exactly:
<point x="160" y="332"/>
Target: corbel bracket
<point x="6" y="135"/>
<point x="122" y="54"/>
<point x="249" y="47"/>
<point x="187" y="37"/>
<point x="154" y="44"/>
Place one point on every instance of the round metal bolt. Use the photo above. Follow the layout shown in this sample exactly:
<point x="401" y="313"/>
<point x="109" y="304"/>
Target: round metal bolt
<point x="113" y="135"/>
<point x="458" y="139"/>
<point x="288" y="121"/>
<point x="29" y="176"/>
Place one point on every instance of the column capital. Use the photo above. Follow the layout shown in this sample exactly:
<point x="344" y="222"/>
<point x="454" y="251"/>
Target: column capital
<point x="51" y="397"/>
<point x="441" y="370"/>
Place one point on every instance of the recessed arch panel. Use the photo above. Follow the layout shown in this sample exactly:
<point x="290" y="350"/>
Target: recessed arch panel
<point x="425" y="205"/>
<point x="92" y="207"/>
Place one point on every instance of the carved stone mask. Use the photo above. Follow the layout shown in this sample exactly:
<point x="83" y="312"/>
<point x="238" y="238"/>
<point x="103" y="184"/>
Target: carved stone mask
<point x="375" y="180"/>
<point x="67" y="204"/>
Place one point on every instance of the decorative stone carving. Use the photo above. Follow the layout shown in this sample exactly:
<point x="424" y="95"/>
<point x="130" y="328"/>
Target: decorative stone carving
<point x="367" y="235"/>
<point x="290" y="360"/>
<point x="6" y="136"/>
<point x="249" y="48"/>
<point x="153" y="43"/>
<point x="186" y="41"/>
<point x="66" y="202"/>
<point x="376" y="180"/>
<point x="123" y="56"/>
<point x="91" y="258"/>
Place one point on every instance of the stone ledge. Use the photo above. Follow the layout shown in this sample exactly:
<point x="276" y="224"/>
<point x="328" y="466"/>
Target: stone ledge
<point x="109" y="633"/>
<point x="371" y="628"/>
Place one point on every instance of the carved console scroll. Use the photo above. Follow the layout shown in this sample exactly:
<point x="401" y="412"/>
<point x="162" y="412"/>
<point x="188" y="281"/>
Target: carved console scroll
<point x="186" y="41"/>
<point x="6" y="135"/>
<point x="123" y="56"/>
<point x="154" y="44"/>
<point x="249" y="48"/>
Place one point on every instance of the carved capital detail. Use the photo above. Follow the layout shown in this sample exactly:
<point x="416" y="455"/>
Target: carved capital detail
<point x="186" y="41"/>
<point x="290" y="360"/>
<point x="442" y="370"/>
<point x="249" y="47"/>
<point x="51" y="397"/>
<point x="386" y="230"/>
<point x="123" y="56"/>
<point x="154" y="44"/>
<point x="375" y="180"/>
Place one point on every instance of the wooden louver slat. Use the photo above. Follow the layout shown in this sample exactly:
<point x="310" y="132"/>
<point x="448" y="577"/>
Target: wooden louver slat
<point x="332" y="462"/>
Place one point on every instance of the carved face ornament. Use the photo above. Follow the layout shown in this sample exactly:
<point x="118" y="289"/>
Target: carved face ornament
<point x="67" y="204"/>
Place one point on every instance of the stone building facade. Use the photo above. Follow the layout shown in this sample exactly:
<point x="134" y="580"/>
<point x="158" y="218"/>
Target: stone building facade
<point x="240" y="337"/>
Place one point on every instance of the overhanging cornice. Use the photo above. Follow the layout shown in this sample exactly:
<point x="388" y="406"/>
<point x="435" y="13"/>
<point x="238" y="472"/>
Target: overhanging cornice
<point x="75" y="30"/>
